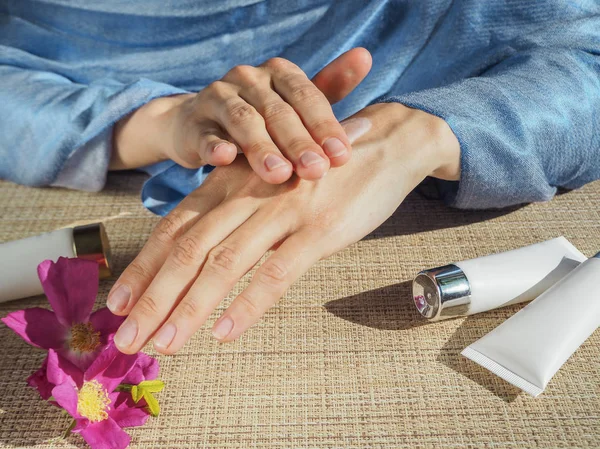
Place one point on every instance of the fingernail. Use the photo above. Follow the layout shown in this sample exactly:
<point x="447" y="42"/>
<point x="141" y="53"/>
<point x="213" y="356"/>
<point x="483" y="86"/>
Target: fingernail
<point x="118" y="300"/>
<point x="334" y="147"/>
<point x="272" y="162"/>
<point x="222" y="328"/>
<point x="309" y="158"/>
<point x="224" y="147"/>
<point x="165" y="336"/>
<point x="126" y="334"/>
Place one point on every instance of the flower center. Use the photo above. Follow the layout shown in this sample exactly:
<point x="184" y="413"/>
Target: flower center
<point x="93" y="401"/>
<point x="84" y="338"/>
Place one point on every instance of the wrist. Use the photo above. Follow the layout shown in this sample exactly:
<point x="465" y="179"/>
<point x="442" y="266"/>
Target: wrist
<point x="143" y="137"/>
<point x="445" y="149"/>
<point x="424" y="140"/>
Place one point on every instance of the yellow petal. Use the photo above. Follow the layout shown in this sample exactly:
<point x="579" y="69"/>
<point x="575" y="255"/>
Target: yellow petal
<point x="136" y="393"/>
<point x="153" y="386"/>
<point x="153" y="406"/>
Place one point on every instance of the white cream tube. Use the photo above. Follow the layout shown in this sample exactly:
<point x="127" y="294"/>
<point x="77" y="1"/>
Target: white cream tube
<point x="498" y="280"/>
<point x="530" y="347"/>
<point x="19" y="259"/>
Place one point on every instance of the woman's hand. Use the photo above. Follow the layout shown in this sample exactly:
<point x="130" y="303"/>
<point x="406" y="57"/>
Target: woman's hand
<point x="281" y="121"/>
<point x="201" y="249"/>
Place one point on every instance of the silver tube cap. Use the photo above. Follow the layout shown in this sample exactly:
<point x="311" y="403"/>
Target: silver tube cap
<point x="442" y="292"/>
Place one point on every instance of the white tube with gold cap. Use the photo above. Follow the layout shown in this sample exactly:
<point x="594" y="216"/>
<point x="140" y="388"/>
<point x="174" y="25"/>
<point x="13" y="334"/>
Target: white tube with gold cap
<point x="19" y="259"/>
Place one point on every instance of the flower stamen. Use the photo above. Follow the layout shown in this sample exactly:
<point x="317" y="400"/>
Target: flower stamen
<point x="93" y="401"/>
<point x="84" y="337"/>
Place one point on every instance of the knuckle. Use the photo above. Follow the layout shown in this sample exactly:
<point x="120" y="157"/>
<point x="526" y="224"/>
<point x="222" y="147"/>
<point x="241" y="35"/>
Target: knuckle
<point x="223" y="259"/>
<point x="188" y="251"/>
<point x="325" y="127"/>
<point x="218" y="89"/>
<point x="295" y="146"/>
<point x="168" y="229"/>
<point x="257" y="147"/>
<point x="245" y="73"/>
<point x="276" y="111"/>
<point x="240" y="113"/>
<point x="137" y="271"/>
<point x="147" y="306"/>
<point x="248" y="304"/>
<point x="305" y="92"/>
<point x="277" y="64"/>
<point x="188" y="308"/>
<point x="273" y="273"/>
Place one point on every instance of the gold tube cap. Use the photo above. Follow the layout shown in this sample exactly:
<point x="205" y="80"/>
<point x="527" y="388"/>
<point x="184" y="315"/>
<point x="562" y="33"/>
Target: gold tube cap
<point x="91" y="243"/>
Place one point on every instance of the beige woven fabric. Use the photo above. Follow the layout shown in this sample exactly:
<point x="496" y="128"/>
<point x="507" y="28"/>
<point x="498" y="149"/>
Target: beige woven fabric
<point x="343" y="361"/>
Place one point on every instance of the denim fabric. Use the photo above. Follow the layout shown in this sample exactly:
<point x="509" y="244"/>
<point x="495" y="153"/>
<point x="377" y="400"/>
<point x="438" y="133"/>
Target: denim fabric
<point x="517" y="81"/>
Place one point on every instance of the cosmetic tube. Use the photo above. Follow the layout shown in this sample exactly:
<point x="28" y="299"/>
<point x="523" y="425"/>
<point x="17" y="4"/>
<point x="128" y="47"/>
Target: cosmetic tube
<point x="19" y="259"/>
<point x="498" y="280"/>
<point x="530" y="347"/>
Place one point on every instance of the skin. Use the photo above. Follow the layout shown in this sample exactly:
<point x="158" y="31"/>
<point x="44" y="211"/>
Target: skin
<point x="219" y="232"/>
<point x="275" y="115"/>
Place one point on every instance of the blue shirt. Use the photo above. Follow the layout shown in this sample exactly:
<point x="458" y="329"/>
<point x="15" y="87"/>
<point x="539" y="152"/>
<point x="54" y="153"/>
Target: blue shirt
<point x="517" y="81"/>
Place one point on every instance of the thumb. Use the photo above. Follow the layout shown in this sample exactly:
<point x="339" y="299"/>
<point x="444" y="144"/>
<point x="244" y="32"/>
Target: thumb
<point x="343" y="74"/>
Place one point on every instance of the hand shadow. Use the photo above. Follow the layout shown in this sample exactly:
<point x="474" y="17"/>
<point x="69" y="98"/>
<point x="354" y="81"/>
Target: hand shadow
<point x="421" y="212"/>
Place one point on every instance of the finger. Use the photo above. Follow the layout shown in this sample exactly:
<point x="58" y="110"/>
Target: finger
<point x="247" y="128"/>
<point x="225" y="265"/>
<point x="343" y="74"/>
<point x="206" y="143"/>
<point x="293" y="258"/>
<point x="312" y="106"/>
<point x="140" y="272"/>
<point x="288" y="132"/>
<point x="179" y="271"/>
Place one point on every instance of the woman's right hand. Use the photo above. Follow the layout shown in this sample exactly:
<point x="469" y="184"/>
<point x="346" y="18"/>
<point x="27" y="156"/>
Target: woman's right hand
<point x="275" y="115"/>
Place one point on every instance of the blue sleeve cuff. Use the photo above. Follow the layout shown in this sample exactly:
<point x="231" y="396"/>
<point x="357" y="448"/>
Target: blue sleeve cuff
<point x="495" y="172"/>
<point x="86" y="167"/>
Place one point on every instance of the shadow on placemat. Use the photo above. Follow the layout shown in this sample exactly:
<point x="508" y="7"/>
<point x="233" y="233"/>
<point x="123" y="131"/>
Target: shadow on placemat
<point x="379" y="308"/>
<point x="418" y="214"/>
<point x="471" y="330"/>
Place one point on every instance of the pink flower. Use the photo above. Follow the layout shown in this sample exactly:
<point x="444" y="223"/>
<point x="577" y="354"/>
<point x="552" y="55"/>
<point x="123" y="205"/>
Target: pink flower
<point x="90" y="398"/>
<point x="145" y="368"/>
<point x="72" y="330"/>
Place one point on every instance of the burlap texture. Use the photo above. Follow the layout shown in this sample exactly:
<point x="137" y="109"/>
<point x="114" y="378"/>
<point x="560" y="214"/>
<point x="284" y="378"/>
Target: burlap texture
<point x="343" y="360"/>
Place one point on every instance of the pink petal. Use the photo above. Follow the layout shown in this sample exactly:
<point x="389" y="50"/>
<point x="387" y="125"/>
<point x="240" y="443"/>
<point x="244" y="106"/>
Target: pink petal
<point x="38" y="327"/>
<point x="145" y="368"/>
<point x="60" y="370"/>
<point x="105" y="322"/>
<point x="127" y="413"/>
<point x="81" y="360"/>
<point x="105" y="435"/>
<point x="39" y="381"/>
<point x="110" y="367"/>
<point x="66" y="396"/>
<point x="71" y="286"/>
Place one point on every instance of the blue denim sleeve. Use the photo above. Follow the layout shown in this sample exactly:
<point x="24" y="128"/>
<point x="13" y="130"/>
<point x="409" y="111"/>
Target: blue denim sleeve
<point x="528" y="124"/>
<point x="57" y="132"/>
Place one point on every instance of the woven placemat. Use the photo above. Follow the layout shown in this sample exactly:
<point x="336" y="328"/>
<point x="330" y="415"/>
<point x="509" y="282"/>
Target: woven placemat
<point x="344" y="361"/>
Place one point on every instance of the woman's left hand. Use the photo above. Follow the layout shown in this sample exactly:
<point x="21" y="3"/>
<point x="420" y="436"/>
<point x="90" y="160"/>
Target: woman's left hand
<point x="219" y="232"/>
